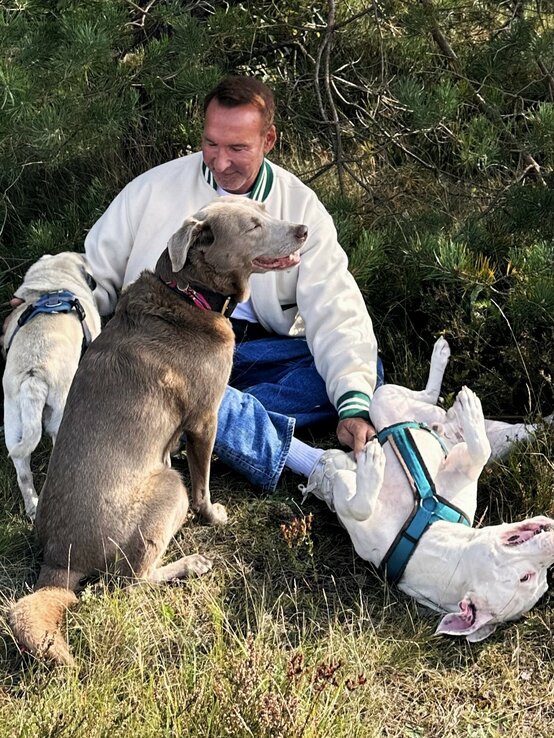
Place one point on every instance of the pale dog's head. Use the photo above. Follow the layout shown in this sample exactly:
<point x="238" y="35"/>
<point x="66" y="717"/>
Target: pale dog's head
<point x="66" y="270"/>
<point x="507" y="568"/>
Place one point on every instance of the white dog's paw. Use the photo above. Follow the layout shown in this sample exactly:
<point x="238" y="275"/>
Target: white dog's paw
<point x="441" y="352"/>
<point x="470" y="407"/>
<point x="355" y="497"/>
<point x="370" y="471"/>
<point x="473" y="424"/>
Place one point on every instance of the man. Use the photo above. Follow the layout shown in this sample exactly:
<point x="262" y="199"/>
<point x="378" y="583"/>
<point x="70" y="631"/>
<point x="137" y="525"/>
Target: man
<point x="305" y="343"/>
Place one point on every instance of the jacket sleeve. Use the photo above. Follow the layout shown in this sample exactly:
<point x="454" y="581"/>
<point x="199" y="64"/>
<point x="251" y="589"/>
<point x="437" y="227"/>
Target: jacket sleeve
<point x="338" y="328"/>
<point x="107" y="247"/>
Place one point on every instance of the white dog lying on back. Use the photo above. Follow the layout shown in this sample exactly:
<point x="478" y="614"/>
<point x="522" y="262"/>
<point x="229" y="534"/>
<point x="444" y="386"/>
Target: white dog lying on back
<point x="480" y="577"/>
<point x="43" y="346"/>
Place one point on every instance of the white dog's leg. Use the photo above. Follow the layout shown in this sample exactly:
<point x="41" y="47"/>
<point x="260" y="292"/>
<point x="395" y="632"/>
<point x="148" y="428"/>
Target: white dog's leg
<point x="502" y="436"/>
<point x="474" y="428"/>
<point x="439" y="362"/>
<point x="355" y="493"/>
<point x="457" y="478"/>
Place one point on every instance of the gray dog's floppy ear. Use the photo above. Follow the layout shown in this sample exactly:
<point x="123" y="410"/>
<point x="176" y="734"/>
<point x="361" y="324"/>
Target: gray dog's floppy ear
<point x="179" y="244"/>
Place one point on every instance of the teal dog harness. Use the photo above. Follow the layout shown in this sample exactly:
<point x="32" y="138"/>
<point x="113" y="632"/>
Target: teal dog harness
<point x="428" y="506"/>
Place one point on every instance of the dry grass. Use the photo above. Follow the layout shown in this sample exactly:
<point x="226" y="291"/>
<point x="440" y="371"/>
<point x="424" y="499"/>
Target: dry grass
<point x="289" y="635"/>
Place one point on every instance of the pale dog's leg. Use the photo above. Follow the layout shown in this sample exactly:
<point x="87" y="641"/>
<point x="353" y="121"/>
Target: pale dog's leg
<point x="26" y="485"/>
<point x="355" y="492"/>
<point x="457" y="478"/>
<point x="22" y="456"/>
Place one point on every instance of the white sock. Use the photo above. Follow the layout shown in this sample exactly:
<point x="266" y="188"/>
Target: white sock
<point x="302" y="459"/>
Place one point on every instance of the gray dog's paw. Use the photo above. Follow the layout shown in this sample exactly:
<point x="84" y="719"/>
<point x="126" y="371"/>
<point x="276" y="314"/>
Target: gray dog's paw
<point x="217" y="514"/>
<point x="198" y="564"/>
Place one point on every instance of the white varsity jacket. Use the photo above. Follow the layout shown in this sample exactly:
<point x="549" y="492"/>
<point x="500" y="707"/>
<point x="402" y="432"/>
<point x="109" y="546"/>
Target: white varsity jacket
<point x="318" y="298"/>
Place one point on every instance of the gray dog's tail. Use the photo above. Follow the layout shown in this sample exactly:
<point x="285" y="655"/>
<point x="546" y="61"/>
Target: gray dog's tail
<point x="35" y="621"/>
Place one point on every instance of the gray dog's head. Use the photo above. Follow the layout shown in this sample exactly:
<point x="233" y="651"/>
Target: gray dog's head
<point x="221" y="245"/>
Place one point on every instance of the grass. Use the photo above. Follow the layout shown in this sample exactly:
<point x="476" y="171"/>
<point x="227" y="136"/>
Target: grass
<point x="290" y="634"/>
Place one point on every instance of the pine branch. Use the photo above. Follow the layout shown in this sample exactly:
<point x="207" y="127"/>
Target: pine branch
<point x="491" y="112"/>
<point x="548" y="75"/>
<point x="324" y="56"/>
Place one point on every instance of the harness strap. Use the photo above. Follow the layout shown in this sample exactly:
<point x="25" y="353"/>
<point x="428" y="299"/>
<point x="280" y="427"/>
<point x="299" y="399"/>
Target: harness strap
<point x="51" y="303"/>
<point x="428" y="506"/>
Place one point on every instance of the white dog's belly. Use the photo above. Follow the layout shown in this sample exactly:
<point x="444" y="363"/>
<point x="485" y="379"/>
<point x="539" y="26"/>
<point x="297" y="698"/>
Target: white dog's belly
<point x="393" y="404"/>
<point x="373" y="537"/>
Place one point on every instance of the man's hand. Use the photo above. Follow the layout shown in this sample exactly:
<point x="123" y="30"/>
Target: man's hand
<point x="355" y="433"/>
<point x="14" y="302"/>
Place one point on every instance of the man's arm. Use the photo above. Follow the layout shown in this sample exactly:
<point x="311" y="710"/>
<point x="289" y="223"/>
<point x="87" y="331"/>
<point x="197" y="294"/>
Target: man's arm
<point x="107" y="247"/>
<point x="338" y="329"/>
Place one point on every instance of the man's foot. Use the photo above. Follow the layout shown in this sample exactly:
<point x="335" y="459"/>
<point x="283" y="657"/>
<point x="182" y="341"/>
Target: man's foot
<point x="320" y="481"/>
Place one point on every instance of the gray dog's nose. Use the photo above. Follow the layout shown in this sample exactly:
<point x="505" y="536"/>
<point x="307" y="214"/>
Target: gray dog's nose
<point x="301" y="233"/>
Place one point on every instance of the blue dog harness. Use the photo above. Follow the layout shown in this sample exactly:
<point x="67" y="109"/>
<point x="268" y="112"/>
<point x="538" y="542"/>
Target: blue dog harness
<point x="428" y="506"/>
<point x="60" y="301"/>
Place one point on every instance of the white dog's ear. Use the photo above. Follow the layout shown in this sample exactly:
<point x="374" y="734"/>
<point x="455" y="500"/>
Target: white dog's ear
<point x="470" y="621"/>
<point x="514" y="534"/>
<point x="179" y="244"/>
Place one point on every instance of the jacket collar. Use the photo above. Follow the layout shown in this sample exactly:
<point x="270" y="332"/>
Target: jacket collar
<point x="261" y="188"/>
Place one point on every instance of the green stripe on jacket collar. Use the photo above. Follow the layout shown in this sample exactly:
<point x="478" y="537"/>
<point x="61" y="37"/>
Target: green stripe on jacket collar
<point x="353" y="405"/>
<point x="261" y="187"/>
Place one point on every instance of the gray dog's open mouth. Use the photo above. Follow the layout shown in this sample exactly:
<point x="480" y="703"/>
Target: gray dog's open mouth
<point x="283" y="262"/>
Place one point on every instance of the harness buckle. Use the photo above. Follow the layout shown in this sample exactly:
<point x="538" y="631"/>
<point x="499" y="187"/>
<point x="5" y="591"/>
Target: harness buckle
<point x="53" y="300"/>
<point x="429" y="503"/>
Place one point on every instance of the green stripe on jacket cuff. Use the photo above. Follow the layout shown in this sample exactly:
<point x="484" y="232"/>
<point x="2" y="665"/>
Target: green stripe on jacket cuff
<point x="353" y="405"/>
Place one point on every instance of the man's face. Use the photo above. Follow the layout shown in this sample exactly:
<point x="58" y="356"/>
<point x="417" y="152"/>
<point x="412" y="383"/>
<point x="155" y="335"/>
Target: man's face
<point x="234" y="145"/>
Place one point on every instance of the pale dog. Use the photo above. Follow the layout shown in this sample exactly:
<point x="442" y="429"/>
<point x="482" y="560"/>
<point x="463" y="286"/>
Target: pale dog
<point x="42" y="359"/>
<point x="480" y="577"/>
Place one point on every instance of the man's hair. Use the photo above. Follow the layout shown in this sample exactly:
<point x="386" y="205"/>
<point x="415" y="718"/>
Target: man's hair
<point x="233" y="91"/>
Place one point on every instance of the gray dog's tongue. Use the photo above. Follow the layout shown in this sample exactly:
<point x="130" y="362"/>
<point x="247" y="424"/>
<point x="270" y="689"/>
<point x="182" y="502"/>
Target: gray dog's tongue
<point x="284" y="262"/>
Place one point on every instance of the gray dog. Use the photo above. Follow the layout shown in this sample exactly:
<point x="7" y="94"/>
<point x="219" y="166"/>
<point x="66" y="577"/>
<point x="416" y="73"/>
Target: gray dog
<point x="158" y="370"/>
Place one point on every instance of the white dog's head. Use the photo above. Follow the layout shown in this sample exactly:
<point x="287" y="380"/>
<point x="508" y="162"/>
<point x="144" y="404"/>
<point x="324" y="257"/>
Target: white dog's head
<point x="507" y="571"/>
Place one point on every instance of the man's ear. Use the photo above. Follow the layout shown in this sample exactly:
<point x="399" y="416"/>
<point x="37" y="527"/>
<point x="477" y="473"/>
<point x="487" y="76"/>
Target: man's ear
<point x="179" y="244"/>
<point x="270" y="139"/>
<point x="470" y="621"/>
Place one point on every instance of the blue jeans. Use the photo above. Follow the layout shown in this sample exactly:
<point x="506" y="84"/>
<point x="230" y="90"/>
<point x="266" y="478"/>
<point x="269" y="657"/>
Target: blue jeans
<point x="274" y="387"/>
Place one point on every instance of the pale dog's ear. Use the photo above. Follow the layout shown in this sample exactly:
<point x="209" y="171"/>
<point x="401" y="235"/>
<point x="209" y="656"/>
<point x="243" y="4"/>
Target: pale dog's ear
<point x="470" y="621"/>
<point x="179" y="244"/>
